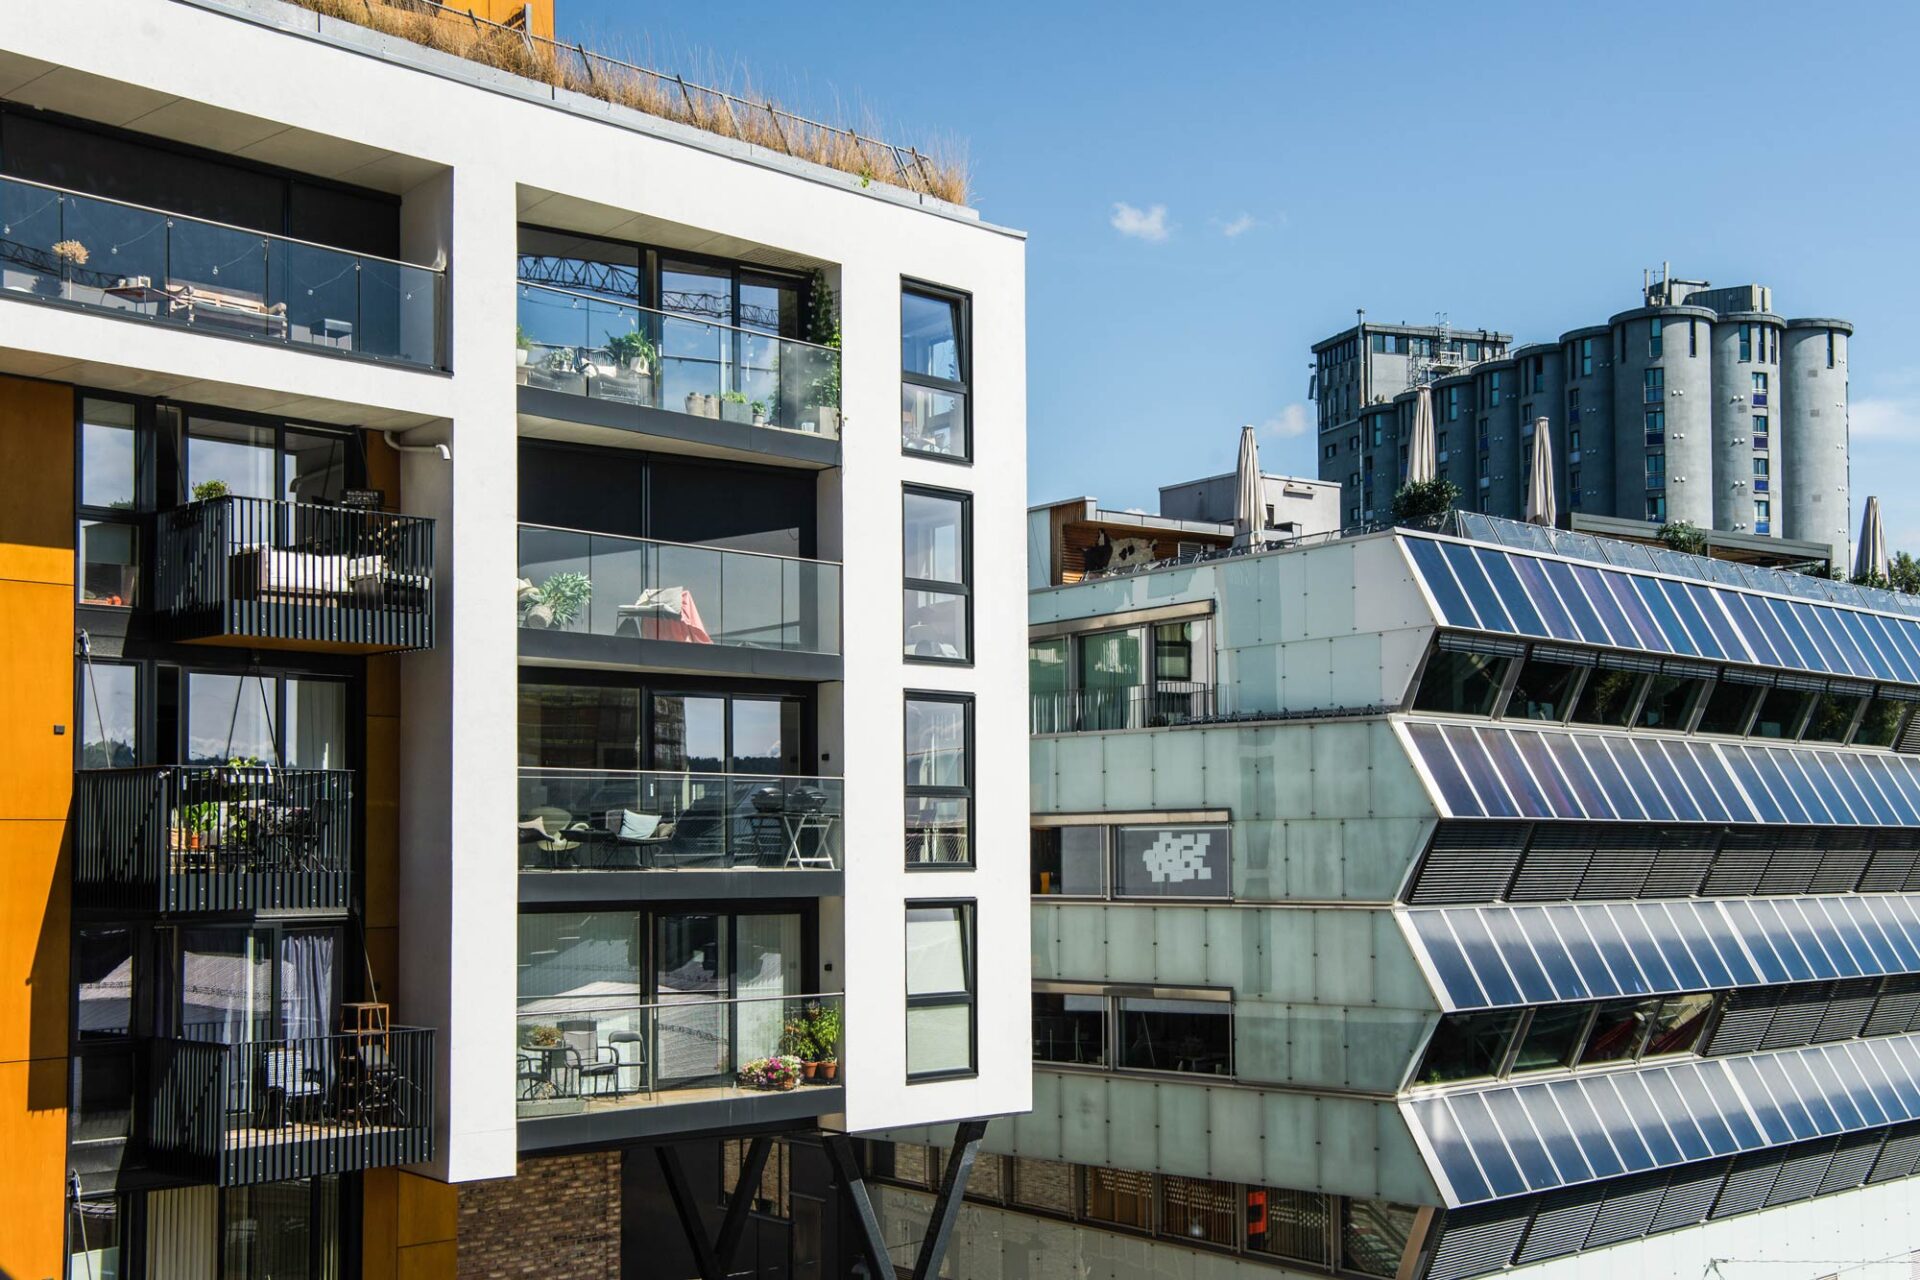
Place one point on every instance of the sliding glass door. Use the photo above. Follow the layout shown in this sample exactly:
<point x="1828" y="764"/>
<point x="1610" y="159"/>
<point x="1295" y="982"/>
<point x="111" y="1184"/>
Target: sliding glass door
<point x="693" y="969"/>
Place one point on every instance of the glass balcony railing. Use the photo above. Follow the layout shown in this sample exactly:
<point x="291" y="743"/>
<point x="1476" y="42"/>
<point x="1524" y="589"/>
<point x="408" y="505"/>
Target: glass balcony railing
<point x="606" y="585"/>
<point x="578" y="1054"/>
<point x="171" y="269"/>
<point x="608" y="820"/>
<point x="1168" y="702"/>
<point x="605" y="350"/>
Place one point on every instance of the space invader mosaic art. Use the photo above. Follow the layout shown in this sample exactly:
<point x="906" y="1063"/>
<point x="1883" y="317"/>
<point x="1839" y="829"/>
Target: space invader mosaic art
<point x="1178" y="856"/>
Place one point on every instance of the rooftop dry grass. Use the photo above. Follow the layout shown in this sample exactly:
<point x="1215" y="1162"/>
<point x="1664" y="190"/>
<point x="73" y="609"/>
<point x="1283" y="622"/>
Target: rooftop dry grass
<point x="763" y="124"/>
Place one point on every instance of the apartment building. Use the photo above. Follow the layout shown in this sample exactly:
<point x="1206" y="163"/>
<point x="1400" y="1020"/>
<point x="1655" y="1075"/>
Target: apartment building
<point x="502" y="728"/>
<point x="1442" y="904"/>
<point x="1702" y="404"/>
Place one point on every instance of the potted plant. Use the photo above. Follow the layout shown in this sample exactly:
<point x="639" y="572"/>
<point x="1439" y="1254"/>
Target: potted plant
<point x="823" y="1027"/>
<point x="735" y="408"/>
<point x="556" y="602"/>
<point x="542" y="1037"/>
<point x="1423" y="502"/>
<point x="522" y="345"/>
<point x="823" y="329"/>
<point x="796" y="1038"/>
<point x="196" y="825"/>
<point x="781" y="1072"/>
<point x="208" y="490"/>
<point x="633" y="352"/>
<point x="69" y="254"/>
<point x="759" y="410"/>
<point x="702" y="405"/>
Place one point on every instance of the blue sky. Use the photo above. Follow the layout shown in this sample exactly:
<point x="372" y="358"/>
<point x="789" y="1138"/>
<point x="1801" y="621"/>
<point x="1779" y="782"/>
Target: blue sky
<point x="1514" y="165"/>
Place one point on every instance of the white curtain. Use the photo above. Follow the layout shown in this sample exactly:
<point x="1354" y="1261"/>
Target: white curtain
<point x="180" y="1233"/>
<point x="766" y="964"/>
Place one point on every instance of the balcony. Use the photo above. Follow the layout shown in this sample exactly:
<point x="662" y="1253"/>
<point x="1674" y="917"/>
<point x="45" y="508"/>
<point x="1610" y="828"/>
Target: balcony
<point x="606" y="820"/>
<point x="203" y="839"/>
<point x="272" y="1110"/>
<point x="144" y="264"/>
<point x="612" y="600"/>
<point x="587" y="1066"/>
<point x="611" y="363"/>
<point x="268" y="574"/>
<point x="1156" y="706"/>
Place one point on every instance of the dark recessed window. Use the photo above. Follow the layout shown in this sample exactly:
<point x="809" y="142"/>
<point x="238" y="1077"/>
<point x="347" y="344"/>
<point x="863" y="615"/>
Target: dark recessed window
<point x="1619" y="1030"/>
<point x="937" y="542"/>
<point x="1193" y="1036"/>
<point x="1551" y="1038"/>
<point x="1069" y="861"/>
<point x="1543" y="690"/>
<point x="935" y="373"/>
<point x="1070" y="1028"/>
<point x="1880" y="726"/>
<point x="1669" y="702"/>
<point x="1460" y="683"/>
<point x="1678" y="1024"/>
<point x="1467" y="1046"/>
<point x="1608" y="699"/>
<point x="1781" y="712"/>
<point x="1727" y="708"/>
<point x="1832" y="718"/>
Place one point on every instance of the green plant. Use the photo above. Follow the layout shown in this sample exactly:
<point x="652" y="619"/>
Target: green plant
<point x="1422" y="500"/>
<point x="1683" y="535"/>
<point x="635" y="350"/>
<point x="520" y="338"/>
<point x="796" y="1038"/>
<point x="565" y="595"/>
<point x="201" y="816"/>
<point x="734" y="397"/>
<point x="1903" y="573"/>
<point x="208" y="490"/>
<point x="823" y="1025"/>
<point x="759" y="408"/>
<point x="562" y="359"/>
<point x="823" y="328"/>
<point x="542" y="1037"/>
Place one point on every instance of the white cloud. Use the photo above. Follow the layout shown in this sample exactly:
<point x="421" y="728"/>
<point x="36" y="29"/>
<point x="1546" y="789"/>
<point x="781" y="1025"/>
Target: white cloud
<point x="1238" y="226"/>
<point x="1889" y="418"/>
<point x="1142" y="224"/>
<point x="1290" y="423"/>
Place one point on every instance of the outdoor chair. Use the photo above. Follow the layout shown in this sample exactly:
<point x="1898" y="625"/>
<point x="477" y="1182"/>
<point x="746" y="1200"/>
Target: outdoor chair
<point x="590" y="1061"/>
<point x="290" y="1080"/>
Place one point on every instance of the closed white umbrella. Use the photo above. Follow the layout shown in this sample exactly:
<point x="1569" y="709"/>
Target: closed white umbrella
<point x="1246" y="491"/>
<point x="1422" y="461"/>
<point x="1870" y="559"/>
<point x="1540" y="505"/>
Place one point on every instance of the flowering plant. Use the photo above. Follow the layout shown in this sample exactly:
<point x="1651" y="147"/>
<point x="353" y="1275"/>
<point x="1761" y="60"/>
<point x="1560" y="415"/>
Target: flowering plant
<point x="71" y="252"/>
<point x="779" y="1072"/>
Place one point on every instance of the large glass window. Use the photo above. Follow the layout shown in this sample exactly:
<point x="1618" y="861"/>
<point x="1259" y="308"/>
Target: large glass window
<point x="1678" y="1024"/>
<point x="109" y="563"/>
<point x="1781" y="713"/>
<point x="1295" y="1224"/>
<point x="1374" y="1235"/>
<point x="1880" y="724"/>
<point x="594" y="727"/>
<point x="1608" y="698"/>
<point x="301" y="723"/>
<point x="1727" y="708"/>
<point x="103" y="978"/>
<point x="1619" y="1031"/>
<point x="282" y="1230"/>
<point x="1123" y="1197"/>
<point x="1544" y="690"/>
<point x="237" y="458"/>
<point x="939" y="779"/>
<point x="1069" y="861"/>
<point x="940" y="940"/>
<point x="937" y="546"/>
<point x="1194" y="1036"/>
<point x="1070" y="1027"/>
<point x="1669" y="702"/>
<point x="1832" y="718"/>
<point x="110" y="455"/>
<point x="1467" y="1046"/>
<point x="1172" y="862"/>
<point x="934" y="373"/>
<point x="1200" y="1209"/>
<point x="113" y="464"/>
<point x="1460" y="683"/>
<point x="1551" y="1037"/>
<point x="109" y="715"/>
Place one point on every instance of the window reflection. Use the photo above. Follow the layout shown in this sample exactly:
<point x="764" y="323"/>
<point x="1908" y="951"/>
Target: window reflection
<point x="1608" y="699"/>
<point x="1543" y="690"/>
<point x="109" y="716"/>
<point x="1468" y="1045"/>
<point x="1460" y="683"/>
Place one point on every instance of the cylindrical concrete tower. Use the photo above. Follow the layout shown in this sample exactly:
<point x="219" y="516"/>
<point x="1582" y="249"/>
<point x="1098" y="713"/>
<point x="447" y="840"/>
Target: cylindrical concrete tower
<point x="1378" y="462"/>
<point x="1453" y="432"/>
<point x="1746" y="371"/>
<point x="1812" y="443"/>
<point x="1587" y="357"/>
<point x="1541" y="394"/>
<point x="1746" y="364"/>
<point x="1496" y="489"/>
<point x="1662" y="414"/>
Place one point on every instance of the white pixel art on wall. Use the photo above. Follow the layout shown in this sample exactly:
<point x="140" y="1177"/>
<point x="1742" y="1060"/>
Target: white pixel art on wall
<point x="1178" y="856"/>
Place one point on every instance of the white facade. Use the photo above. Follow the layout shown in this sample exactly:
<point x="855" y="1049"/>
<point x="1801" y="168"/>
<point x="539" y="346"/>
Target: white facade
<point x="472" y="154"/>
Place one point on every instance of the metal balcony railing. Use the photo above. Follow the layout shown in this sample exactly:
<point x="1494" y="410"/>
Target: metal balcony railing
<point x="575" y="1053"/>
<point x="588" y="346"/>
<point x="111" y="256"/>
<point x="298" y="573"/>
<point x="190" y="838"/>
<point x="607" y="585"/>
<point x="614" y="820"/>
<point x="272" y="1110"/>
<point x="1167" y="702"/>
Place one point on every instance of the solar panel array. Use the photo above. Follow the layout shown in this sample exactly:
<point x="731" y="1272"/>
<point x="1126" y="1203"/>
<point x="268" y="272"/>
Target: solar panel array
<point x="1498" y="956"/>
<point x="1509" y="1140"/>
<point x="1489" y="589"/>
<point x="1635" y="555"/>
<point x="1499" y="771"/>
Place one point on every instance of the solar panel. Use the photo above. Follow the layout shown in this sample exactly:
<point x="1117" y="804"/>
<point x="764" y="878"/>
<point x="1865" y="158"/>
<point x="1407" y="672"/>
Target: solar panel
<point x="1615" y="599"/>
<point x="1496" y="956"/>
<point x="1515" y="771"/>
<point x="1508" y="1139"/>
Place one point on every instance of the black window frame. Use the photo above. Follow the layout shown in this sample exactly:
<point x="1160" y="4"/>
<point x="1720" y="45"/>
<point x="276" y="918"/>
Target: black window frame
<point x="138" y="517"/>
<point x="962" y="302"/>
<point x="962" y="588"/>
<point x="969" y="909"/>
<point x="963" y="793"/>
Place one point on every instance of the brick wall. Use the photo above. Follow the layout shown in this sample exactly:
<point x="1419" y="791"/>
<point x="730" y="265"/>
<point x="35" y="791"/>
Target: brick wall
<point x="558" y="1217"/>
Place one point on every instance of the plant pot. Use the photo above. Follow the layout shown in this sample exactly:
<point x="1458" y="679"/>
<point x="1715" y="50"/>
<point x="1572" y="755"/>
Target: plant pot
<point x="828" y="419"/>
<point x="520" y="356"/>
<point x="733" y="411"/>
<point x="829" y="1069"/>
<point x="701" y="405"/>
<point x="760" y="419"/>
<point x="810" y="1069"/>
